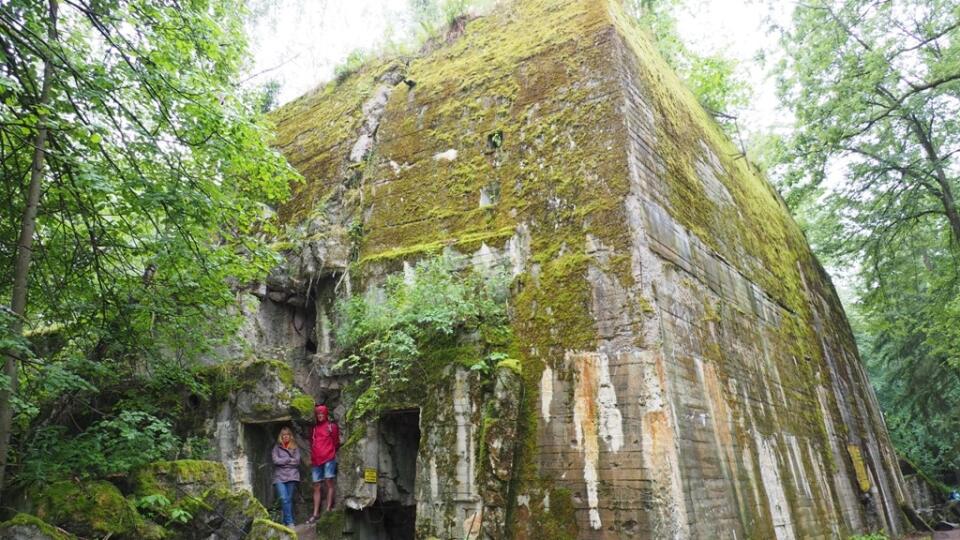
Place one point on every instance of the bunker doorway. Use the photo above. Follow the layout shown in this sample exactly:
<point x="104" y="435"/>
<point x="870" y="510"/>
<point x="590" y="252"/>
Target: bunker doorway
<point x="258" y="442"/>
<point x="394" y="515"/>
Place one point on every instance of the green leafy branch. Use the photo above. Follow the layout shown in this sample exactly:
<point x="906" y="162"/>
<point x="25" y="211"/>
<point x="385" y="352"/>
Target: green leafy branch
<point x="387" y="332"/>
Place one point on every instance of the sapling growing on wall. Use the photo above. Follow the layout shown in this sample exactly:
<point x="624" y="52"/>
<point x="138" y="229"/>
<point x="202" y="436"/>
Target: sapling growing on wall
<point x="435" y="307"/>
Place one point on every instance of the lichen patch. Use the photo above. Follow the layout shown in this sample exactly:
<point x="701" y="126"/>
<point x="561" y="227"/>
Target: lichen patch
<point x="446" y="155"/>
<point x="546" y="393"/>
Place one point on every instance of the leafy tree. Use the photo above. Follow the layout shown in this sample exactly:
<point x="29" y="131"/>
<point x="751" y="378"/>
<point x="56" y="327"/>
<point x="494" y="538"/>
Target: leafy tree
<point x="116" y="444"/>
<point x="135" y="172"/>
<point x="876" y="83"/>
<point x="432" y="19"/>
<point x="875" y="90"/>
<point x="712" y="78"/>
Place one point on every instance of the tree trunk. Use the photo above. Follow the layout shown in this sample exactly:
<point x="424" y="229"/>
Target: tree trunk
<point x="946" y="192"/>
<point x="28" y="223"/>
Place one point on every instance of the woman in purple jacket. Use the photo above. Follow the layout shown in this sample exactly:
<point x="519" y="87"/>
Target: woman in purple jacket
<point x="286" y="472"/>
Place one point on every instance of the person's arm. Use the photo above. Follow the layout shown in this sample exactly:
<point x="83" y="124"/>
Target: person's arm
<point x="282" y="458"/>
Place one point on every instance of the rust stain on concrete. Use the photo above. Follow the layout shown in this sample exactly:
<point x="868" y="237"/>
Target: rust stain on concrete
<point x="585" y="421"/>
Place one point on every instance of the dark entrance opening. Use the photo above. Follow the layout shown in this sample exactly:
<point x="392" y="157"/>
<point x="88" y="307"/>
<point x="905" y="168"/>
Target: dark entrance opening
<point x="394" y="515"/>
<point x="258" y="442"/>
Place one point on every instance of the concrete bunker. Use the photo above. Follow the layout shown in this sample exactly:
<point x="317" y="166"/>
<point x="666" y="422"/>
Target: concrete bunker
<point x="394" y="513"/>
<point x="287" y="321"/>
<point x="662" y="295"/>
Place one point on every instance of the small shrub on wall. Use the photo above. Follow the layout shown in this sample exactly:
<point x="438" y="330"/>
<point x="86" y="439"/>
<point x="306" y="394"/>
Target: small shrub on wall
<point x="438" y="312"/>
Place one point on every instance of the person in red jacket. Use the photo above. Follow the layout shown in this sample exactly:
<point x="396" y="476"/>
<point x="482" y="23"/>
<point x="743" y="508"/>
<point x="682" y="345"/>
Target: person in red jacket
<point x="323" y="456"/>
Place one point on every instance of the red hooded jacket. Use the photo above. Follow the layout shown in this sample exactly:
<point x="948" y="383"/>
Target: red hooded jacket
<point x="326" y="438"/>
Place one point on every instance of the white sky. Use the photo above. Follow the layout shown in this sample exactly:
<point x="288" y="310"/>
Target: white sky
<point x="737" y="29"/>
<point x="299" y="42"/>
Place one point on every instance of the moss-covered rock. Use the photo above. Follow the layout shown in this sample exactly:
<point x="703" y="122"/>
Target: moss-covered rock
<point x="264" y="529"/>
<point x="90" y="509"/>
<point x="178" y="479"/>
<point x="265" y="392"/>
<point x="330" y="525"/>
<point x="302" y="406"/>
<point x="228" y="514"/>
<point x="27" y="527"/>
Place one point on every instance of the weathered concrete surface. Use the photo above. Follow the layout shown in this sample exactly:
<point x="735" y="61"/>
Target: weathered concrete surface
<point x="687" y="370"/>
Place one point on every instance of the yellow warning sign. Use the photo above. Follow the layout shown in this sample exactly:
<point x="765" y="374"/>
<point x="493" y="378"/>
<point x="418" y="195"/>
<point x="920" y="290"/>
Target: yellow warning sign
<point x="370" y="476"/>
<point x="859" y="467"/>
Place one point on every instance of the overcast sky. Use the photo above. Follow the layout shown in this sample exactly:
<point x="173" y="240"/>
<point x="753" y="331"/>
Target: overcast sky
<point x="299" y="42"/>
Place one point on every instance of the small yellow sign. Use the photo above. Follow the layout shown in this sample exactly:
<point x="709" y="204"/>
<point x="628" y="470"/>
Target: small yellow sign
<point x="370" y="476"/>
<point x="859" y="467"/>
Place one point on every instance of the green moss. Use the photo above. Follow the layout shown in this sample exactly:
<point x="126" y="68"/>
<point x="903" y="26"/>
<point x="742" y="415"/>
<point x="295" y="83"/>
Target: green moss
<point x="466" y="242"/>
<point x="560" y="521"/>
<point x="228" y="377"/>
<point x="440" y="355"/>
<point x="262" y="409"/>
<point x="239" y="508"/>
<point x="315" y="132"/>
<point x="264" y="529"/>
<point x="176" y="479"/>
<point x="331" y="524"/>
<point x="403" y="252"/>
<point x="89" y="509"/>
<point x="303" y="405"/>
<point x="512" y="364"/>
<point x="283" y="246"/>
<point x="7" y="528"/>
<point x="553" y="313"/>
<point x="263" y="368"/>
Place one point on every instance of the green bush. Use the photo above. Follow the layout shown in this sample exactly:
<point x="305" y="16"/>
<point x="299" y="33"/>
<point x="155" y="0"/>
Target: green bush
<point x="388" y="331"/>
<point x="353" y="62"/>
<point x="115" y="444"/>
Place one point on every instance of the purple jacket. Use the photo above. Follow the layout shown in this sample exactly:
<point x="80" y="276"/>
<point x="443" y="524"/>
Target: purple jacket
<point x="286" y="464"/>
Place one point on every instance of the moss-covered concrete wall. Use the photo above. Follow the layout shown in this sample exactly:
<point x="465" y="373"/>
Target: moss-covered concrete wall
<point x="687" y="369"/>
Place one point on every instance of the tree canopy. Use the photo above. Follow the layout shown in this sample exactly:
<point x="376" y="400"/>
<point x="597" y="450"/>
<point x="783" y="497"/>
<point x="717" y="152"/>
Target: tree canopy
<point x="123" y="122"/>
<point x="873" y="167"/>
<point x="712" y="78"/>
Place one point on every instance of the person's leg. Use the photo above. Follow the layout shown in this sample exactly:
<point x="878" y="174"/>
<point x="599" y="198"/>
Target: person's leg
<point x="331" y="487"/>
<point x="330" y="479"/>
<point x="316" y="474"/>
<point x="316" y="498"/>
<point x="291" y="490"/>
<point x="286" y="503"/>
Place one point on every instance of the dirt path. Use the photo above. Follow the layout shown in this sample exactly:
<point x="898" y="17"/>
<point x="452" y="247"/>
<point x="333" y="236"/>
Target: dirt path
<point x="945" y="535"/>
<point x="309" y="532"/>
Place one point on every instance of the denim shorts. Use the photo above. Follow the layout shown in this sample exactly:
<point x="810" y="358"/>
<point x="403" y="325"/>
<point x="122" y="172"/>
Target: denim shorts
<point x="325" y="471"/>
